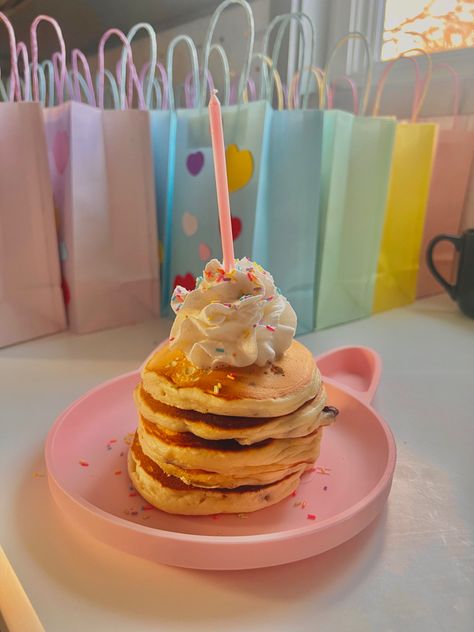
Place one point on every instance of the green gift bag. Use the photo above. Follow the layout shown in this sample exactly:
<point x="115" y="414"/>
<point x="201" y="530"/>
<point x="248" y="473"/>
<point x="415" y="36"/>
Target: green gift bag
<point x="356" y="160"/>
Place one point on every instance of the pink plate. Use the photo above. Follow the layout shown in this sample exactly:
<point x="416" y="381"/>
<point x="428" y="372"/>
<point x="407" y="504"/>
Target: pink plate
<point x="86" y="458"/>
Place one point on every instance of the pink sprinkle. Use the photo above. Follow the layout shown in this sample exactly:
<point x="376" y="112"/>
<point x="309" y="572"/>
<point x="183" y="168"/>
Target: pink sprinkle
<point x="117" y="472"/>
<point x="84" y="463"/>
<point x="311" y="517"/>
<point x="293" y="494"/>
<point x="113" y="441"/>
<point x="270" y="327"/>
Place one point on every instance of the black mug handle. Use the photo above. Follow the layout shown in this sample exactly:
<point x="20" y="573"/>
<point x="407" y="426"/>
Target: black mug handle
<point x="457" y="241"/>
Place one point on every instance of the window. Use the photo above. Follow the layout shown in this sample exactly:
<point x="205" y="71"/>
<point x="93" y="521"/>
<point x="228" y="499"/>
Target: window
<point x="432" y="25"/>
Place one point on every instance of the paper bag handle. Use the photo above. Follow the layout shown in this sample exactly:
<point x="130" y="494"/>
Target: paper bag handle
<point x="133" y="72"/>
<point x="153" y="57"/>
<point x="350" y="36"/>
<point x="352" y="86"/>
<point x="318" y="75"/>
<point x="267" y="61"/>
<point x="190" y="95"/>
<point x="22" y="53"/>
<point x="76" y="56"/>
<point x="34" y="54"/>
<point x="14" y="87"/>
<point x="420" y="88"/>
<point x="194" y="65"/>
<point x="164" y="81"/>
<point x="207" y="46"/>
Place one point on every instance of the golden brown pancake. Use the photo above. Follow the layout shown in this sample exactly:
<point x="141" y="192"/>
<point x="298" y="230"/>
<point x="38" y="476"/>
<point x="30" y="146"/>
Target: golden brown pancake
<point x="171" y="495"/>
<point x="273" y="390"/>
<point x="245" y="430"/>
<point x="225" y="457"/>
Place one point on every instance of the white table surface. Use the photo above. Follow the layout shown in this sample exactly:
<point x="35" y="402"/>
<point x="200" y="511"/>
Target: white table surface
<point x="411" y="570"/>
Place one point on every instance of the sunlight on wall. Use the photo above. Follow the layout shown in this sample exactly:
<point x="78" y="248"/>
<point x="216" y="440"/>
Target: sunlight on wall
<point x="432" y="25"/>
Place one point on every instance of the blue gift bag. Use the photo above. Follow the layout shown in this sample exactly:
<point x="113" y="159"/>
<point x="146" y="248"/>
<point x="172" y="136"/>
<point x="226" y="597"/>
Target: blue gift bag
<point x="288" y="205"/>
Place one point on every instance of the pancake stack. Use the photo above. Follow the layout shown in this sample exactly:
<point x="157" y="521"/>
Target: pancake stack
<point x="226" y="439"/>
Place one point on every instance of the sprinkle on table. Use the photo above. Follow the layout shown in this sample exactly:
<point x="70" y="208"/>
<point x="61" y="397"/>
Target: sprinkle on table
<point x="323" y="470"/>
<point x="83" y="463"/>
<point x="38" y="475"/>
<point x="117" y="472"/>
<point x="325" y="488"/>
<point x="303" y="504"/>
<point x="311" y="517"/>
<point x="133" y="494"/>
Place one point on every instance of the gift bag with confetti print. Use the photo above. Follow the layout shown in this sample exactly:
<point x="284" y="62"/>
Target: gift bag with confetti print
<point x="192" y="230"/>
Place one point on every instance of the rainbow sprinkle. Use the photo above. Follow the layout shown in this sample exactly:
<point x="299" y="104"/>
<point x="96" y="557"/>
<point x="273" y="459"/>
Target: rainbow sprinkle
<point x="230" y="376"/>
<point x="220" y="350"/>
<point x="217" y="388"/>
<point x="311" y="517"/>
<point x="270" y="328"/>
<point x="83" y="463"/>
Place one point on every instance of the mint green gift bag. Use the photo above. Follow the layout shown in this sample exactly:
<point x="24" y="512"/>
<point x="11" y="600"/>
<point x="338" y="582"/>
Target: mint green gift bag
<point x="355" y="170"/>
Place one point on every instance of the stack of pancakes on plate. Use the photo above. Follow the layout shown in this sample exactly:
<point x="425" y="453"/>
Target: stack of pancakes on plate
<point x="226" y="440"/>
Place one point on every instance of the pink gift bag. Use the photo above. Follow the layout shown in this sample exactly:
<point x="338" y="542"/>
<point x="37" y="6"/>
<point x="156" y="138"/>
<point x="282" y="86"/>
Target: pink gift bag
<point x="31" y="302"/>
<point x="101" y="168"/>
<point x="448" y="191"/>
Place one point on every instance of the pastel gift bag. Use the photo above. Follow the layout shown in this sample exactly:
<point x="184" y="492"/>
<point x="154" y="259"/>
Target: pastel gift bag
<point x="410" y="178"/>
<point x="356" y="162"/>
<point x="448" y="192"/>
<point x="31" y="302"/>
<point x="192" y="231"/>
<point x="285" y="240"/>
<point x="101" y="168"/>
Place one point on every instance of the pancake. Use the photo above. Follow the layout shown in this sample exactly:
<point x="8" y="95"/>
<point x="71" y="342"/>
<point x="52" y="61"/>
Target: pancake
<point x="272" y="390"/>
<point x="171" y="495"/>
<point x="245" y="430"/>
<point x="225" y="456"/>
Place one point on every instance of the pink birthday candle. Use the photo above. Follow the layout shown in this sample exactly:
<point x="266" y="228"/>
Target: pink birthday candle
<point x="222" y="189"/>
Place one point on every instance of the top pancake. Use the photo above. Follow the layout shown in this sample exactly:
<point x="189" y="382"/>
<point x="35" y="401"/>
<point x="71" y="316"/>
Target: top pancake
<point x="277" y="388"/>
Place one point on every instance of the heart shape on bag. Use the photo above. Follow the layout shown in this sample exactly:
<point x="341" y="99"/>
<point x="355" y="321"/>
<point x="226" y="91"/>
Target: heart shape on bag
<point x="61" y="150"/>
<point x="236" y="227"/>
<point x="239" y="164"/>
<point x="204" y="252"/>
<point x="190" y="223"/>
<point x="195" y="162"/>
<point x="186" y="280"/>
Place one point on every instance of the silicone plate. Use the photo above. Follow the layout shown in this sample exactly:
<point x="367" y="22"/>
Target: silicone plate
<point x="86" y="457"/>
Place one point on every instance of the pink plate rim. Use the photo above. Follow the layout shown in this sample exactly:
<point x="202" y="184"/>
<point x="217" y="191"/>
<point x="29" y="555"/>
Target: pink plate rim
<point x="322" y="526"/>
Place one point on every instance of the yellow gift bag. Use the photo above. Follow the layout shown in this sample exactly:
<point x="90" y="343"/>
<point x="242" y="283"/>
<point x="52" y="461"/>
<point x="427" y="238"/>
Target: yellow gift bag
<point x="410" y="178"/>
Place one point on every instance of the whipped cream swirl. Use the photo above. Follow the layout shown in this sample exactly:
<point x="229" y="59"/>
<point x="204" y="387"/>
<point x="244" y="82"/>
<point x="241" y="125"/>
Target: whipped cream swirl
<point x="237" y="318"/>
